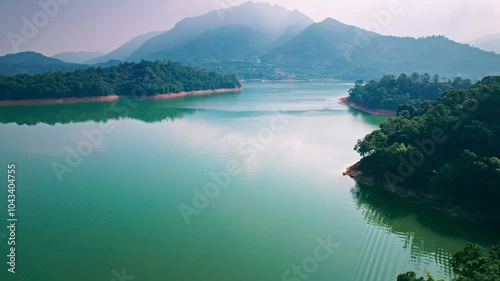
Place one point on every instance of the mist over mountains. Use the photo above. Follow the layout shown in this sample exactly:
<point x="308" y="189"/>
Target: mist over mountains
<point x="262" y="23"/>
<point x="262" y="41"/>
<point x="488" y="43"/>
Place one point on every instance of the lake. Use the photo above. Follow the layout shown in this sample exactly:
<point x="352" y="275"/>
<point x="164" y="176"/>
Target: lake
<point x="234" y="186"/>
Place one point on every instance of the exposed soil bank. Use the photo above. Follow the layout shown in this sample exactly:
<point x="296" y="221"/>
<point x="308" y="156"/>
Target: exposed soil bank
<point x="381" y="112"/>
<point x="113" y="97"/>
<point x="194" y="93"/>
<point x="436" y="201"/>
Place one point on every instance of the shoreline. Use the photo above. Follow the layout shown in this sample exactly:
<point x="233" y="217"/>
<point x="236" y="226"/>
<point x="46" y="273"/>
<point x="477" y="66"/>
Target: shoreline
<point x="434" y="201"/>
<point x="114" y="97"/>
<point x="193" y="93"/>
<point x="380" y="112"/>
<point x="291" y="81"/>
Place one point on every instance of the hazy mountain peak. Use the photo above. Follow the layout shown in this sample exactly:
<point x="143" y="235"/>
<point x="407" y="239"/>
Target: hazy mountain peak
<point x="125" y="50"/>
<point x="271" y="21"/>
<point x="77" y="57"/>
<point x="330" y="20"/>
<point x="32" y="62"/>
<point x="28" y="56"/>
<point x="488" y="43"/>
<point x="495" y="36"/>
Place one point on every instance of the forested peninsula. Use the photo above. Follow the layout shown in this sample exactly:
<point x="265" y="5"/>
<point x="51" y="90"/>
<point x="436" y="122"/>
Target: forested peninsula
<point x="127" y="79"/>
<point x="383" y="96"/>
<point x="444" y="154"/>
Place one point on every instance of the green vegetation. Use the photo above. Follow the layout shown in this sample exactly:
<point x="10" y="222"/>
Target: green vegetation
<point x="447" y="148"/>
<point x="471" y="264"/>
<point x="391" y="91"/>
<point x="128" y="79"/>
<point x="333" y="49"/>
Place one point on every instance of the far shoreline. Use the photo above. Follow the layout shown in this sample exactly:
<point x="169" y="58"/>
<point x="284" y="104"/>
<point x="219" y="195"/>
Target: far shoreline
<point x="115" y="97"/>
<point x="380" y="112"/>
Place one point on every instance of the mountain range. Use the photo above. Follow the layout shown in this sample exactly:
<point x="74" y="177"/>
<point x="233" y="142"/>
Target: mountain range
<point x="488" y="43"/>
<point x="125" y="50"/>
<point x="259" y="25"/>
<point x="332" y="48"/>
<point x="32" y="63"/>
<point x="77" y="57"/>
<point x="259" y="40"/>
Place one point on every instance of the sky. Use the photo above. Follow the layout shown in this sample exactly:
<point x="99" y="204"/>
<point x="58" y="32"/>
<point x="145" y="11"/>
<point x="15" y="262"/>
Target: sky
<point x="54" y="26"/>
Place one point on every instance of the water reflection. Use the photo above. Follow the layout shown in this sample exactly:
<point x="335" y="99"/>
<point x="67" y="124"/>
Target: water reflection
<point x="368" y="118"/>
<point x="148" y="111"/>
<point x="425" y="232"/>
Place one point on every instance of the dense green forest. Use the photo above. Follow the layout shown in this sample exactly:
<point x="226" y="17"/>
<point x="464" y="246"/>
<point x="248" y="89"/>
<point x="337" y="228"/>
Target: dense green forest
<point x="448" y="147"/>
<point x="127" y="79"/>
<point x="391" y="91"/>
<point x="473" y="263"/>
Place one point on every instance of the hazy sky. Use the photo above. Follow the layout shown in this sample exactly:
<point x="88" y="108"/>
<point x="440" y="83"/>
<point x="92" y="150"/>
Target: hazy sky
<point x="102" y="25"/>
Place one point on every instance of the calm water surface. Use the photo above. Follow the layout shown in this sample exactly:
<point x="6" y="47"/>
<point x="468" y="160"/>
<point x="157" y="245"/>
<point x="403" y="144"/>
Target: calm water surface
<point x="117" y="210"/>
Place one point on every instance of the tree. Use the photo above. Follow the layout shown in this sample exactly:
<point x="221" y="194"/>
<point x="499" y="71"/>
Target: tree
<point x="127" y="79"/>
<point x="458" y="135"/>
<point x="474" y="264"/>
<point x="390" y="92"/>
<point x="470" y="264"/>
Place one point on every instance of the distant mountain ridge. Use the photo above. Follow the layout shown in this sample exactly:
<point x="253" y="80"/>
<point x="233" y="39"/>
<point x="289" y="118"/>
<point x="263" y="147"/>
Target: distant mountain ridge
<point x="489" y="43"/>
<point x="331" y="47"/>
<point x="125" y="50"/>
<point x="32" y="63"/>
<point x="258" y="40"/>
<point x="263" y="41"/>
<point x="266" y="22"/>
<point x="77" y="57"/>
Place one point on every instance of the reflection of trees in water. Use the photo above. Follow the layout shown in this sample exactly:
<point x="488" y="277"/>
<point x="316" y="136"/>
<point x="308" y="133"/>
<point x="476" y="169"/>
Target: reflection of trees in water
<point x="149" y="111"/>
<point x="368" y="118"/>
<point x="425" y="232"/>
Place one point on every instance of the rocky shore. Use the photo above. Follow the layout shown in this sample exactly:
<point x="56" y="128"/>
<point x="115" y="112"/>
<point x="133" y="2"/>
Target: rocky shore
<point x="381" y="112"/>
<point x="424" y="197"/>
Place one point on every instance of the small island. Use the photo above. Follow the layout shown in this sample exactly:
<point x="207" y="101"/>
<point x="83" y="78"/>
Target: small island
<point x="382" y="97"/>
<point x="144" y="79"/>
<point x="443" y="155"/>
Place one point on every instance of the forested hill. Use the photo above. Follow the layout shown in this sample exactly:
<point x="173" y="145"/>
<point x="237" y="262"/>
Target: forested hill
<point x="391" y="91"/>
<point x="448" y="147"/>
<point x="143" y="78"/>
<point x="33" y="63"/>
